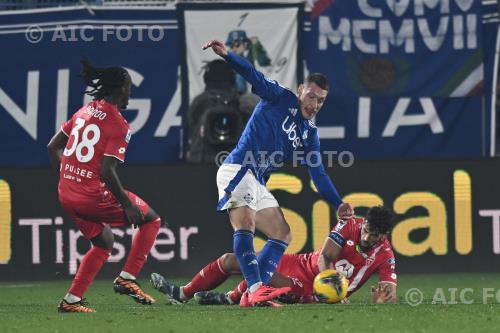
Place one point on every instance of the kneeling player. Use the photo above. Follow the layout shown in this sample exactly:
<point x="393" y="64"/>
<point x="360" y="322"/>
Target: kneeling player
<point x="356" y="247"/>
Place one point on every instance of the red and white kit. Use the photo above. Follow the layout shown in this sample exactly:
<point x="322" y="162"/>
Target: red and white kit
<point x="96" y="130"/>
<point x="355" y="264"/>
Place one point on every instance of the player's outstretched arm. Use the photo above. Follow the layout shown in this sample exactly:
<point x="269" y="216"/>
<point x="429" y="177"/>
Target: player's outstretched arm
<point x="385" y="292"/>
<point x="110" y="178"/>
<point x="263" y="87"/>
<point x="56" y="147"/>
<point x="329" y="254"/>
<point x="323" y="182"/>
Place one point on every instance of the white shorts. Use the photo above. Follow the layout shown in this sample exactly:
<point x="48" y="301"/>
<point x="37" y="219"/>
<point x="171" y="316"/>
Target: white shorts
<point x="249" y="192"/>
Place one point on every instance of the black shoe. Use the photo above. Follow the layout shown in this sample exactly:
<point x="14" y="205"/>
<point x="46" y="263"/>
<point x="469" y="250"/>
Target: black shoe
<point x="211" y="298"/>
<point x="172" y="291"/>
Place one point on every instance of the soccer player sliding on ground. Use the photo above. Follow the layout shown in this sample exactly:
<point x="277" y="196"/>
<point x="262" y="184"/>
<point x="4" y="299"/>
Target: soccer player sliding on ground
<point x="280" y="127"/>
<point x="86" y="151"/>
<point x="356" y="247"/>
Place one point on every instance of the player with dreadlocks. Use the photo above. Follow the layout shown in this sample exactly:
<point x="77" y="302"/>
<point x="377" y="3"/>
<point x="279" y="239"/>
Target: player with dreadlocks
<point x="86" y="151"/>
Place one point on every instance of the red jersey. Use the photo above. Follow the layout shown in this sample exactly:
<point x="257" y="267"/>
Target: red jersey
<point x="354" y="263"/>
<point x="97" y="129"/>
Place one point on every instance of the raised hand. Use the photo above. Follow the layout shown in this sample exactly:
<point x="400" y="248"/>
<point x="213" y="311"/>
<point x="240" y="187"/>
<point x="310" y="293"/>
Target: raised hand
<point x="218" y="47"/>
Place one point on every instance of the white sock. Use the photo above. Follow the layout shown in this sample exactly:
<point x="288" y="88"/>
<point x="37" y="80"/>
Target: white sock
<point x="181" y="294"/>
<point x="127" y="276"/>
<point x="228" y="298"/>
<point x="70" y="298"/>
<point x="253" y="288"/>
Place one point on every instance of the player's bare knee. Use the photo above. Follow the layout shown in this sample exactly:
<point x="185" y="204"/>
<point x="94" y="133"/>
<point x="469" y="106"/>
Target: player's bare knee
<point x="229" y="263"/>
<point x="287" y="235"/>
<point x="246" y="222"/>
<point x="105" y="240"/>
<point x="283" y="233"/>
<point x="151" y="216"/>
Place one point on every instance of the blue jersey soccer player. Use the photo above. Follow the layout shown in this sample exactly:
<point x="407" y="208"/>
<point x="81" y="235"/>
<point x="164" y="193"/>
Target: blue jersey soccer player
<point x="279" y="130"/>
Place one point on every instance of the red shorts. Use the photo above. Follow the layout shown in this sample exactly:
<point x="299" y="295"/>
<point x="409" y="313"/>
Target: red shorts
<point x="294" y="267"/>
<point x="92" y="215"/>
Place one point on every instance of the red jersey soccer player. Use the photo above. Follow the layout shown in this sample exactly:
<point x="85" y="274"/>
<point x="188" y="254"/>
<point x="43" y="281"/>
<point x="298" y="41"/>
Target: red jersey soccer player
<point x="356" y="247"/>
<point x="87" y="150"/>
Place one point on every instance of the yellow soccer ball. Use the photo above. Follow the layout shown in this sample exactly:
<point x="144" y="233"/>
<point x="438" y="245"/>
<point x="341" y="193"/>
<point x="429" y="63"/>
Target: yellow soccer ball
<point x="330" y="286"/>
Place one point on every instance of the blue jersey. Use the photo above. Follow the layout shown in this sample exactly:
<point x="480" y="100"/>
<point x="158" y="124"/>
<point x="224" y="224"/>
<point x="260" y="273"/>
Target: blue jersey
<point x="276" y="133"/>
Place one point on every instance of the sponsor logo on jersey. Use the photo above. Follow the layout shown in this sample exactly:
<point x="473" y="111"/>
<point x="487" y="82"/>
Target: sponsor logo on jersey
<point x="344" y="267"/>
<point x="339" y="226"/>
<point x="291" y="132"/>
<point x="248" y="198"/>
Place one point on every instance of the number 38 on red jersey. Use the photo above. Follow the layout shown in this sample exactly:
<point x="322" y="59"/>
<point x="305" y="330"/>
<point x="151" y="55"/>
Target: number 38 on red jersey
<point x="96" y="130"/>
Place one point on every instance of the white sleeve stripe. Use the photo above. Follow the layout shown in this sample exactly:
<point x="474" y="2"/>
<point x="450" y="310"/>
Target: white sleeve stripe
<point x="111" y="155"/>
<point x="391" y="282"/>
<point x="62" y="130"/>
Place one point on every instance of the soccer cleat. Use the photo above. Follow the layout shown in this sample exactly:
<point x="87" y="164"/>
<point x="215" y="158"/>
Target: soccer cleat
<point x="212" y="298"/>
<point x="81" y="306"/>
<point x="132" y="289"/>
<point x="244" y="302"/>
<point x="172" y="291"/>
<point x="270" y="304"/>
<point x="265" y="293"/>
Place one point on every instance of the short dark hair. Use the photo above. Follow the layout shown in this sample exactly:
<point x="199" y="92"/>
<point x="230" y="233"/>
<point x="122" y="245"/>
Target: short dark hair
<point x="319" y="79"/>
<point x="380" y="219"/>
<point x="218" y="71"/>
<point x="105" y="81"/>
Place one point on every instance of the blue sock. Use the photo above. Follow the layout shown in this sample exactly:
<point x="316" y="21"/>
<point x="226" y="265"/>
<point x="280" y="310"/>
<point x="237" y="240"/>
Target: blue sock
<point x="269" y="258"/>
<point x="245" y="253"/>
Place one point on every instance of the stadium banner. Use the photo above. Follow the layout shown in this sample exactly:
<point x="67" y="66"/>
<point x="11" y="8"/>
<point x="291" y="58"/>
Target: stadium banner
<point x="246" y="30"/>
<point x="268" y="35"/>
<point x="40" y="87"/>
<point x="447" y="216"/>
<point x="404" y="74"/>
<point x="491" y="32"/>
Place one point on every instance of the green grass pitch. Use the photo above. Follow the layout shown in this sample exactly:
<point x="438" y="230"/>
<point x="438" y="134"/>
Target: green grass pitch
<point x="31" y="307"/>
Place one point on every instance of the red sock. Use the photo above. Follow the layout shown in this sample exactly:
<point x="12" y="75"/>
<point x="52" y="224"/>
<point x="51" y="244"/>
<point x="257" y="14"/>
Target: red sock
<point x="91" y="264"/>
<point x="237" y="292"/>
<point x="210" y="277"/>
<point x="141" y="245"/>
